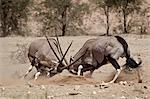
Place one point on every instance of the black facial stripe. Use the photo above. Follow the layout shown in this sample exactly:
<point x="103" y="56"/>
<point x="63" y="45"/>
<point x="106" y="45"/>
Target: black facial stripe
<point x="131" y="63"/>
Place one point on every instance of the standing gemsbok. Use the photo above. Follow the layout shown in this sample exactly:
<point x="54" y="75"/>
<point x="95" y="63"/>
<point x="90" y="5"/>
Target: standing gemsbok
<point x="46" y="55"/>
<point x="99" y="51"/>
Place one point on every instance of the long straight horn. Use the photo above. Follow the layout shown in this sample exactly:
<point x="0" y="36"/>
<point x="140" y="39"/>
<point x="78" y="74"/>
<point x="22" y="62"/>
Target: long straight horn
<point x="52" y="48"/>
<point x="66" y="52"/>
<point x="74" y="61"/>
<point x="60" y="48"/>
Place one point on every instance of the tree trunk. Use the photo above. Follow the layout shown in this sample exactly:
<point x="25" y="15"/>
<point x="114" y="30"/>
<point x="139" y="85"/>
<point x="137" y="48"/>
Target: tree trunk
<point x="64" y="24"/>
<point x="4" y="33"/>
<point x="4" y="24"/>
<point x="106" y="10"/>
<point x="64" y="30"/>
<point x="107" y="16"/>
<point x="4" y="11"/>
<point x="125" y="21"/>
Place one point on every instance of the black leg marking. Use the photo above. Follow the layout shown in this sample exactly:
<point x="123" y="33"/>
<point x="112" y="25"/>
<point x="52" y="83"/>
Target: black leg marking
<point x="113" y="62"/>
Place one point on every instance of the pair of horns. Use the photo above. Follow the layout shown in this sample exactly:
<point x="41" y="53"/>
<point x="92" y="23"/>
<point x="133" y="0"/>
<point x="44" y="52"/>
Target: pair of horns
<point x="60" y="48"/>
<point x="74" y="61"/>
<point x="63" y="56"/>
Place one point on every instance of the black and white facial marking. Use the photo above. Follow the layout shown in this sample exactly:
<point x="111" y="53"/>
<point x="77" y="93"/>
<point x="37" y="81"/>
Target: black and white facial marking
<point x="130" y="62"/>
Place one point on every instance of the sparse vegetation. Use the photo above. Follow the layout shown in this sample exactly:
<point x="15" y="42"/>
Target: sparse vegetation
<point x="127" y="7"/>
<point x="107" y="7"/>
<point x="12" y="11"/>
<point x="67" y="17"/>
<point x="64" y="17"/>
<point x="124" y="8"/>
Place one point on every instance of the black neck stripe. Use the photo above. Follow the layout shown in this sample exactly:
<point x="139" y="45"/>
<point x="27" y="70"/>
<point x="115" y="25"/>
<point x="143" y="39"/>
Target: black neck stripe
<point x="124" y="44"/>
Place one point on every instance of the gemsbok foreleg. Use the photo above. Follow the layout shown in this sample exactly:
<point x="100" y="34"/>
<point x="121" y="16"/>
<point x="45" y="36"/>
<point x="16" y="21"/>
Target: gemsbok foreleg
<point x="117" y="67"/>
<point x="29" y="70"/>
<point x="80" y="70"/>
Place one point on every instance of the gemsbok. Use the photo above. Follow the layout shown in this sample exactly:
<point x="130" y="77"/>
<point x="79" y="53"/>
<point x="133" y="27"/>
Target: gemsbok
<point x="99" y="51"/>
<point x="46" y="55"/>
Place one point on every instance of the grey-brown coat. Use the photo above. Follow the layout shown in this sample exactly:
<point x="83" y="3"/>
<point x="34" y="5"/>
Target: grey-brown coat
<point x="45" y="56"/>
<point x="97" y="52"/>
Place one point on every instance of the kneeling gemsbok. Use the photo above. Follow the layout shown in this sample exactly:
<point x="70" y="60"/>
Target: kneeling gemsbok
<point x="46" y="55"/>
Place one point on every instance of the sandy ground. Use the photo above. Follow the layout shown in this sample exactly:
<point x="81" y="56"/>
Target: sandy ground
<point x="67" y="86"/>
